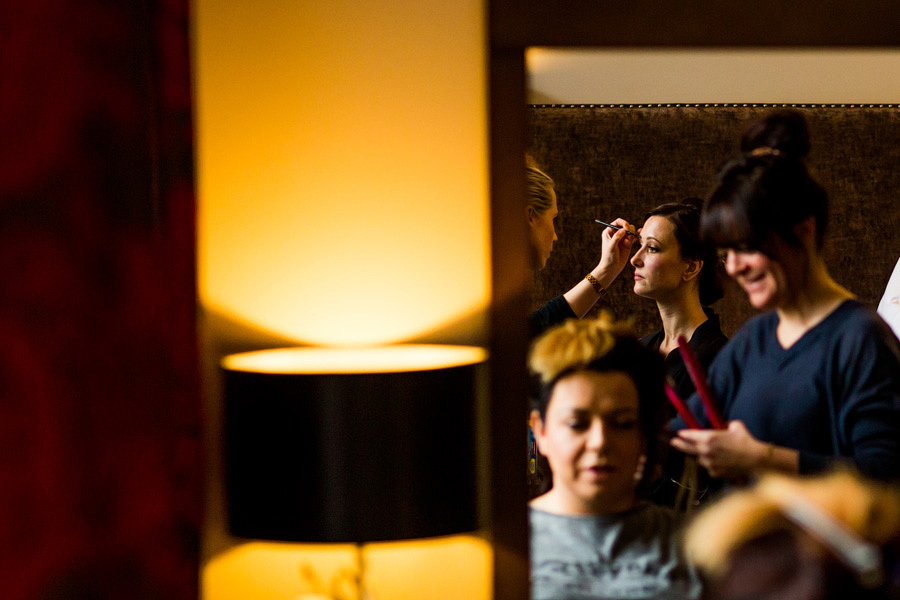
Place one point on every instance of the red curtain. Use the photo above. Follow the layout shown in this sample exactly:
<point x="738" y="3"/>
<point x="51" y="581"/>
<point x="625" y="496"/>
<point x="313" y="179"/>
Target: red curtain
<point x="100" y="479"/>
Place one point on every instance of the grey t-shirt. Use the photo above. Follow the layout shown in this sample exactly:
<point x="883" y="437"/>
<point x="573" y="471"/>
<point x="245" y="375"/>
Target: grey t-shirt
<point x="634" y="555"/>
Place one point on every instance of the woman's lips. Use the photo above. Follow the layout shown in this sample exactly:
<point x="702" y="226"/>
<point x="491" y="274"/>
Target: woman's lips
<point x="600" y="471"/>
<point x="751" y="284"/>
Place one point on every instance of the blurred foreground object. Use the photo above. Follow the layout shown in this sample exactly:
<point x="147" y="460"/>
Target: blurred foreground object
<point x="834" y="536"/>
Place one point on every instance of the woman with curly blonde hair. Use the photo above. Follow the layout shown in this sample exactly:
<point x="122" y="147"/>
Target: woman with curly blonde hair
<point x="598" y="423"/>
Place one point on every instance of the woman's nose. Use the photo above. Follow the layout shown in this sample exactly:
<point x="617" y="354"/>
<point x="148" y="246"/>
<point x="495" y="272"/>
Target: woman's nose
<point x="733" y="262"/>
<point x="636" y="259"/>
<point x="596" y="435"/>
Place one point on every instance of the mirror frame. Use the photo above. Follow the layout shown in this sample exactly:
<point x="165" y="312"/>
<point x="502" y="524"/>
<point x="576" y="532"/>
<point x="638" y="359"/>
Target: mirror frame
<point x="515" y="25"/>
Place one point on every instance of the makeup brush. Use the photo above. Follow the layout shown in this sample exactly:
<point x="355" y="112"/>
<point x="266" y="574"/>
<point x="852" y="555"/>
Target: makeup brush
<point x="617" y="227"/>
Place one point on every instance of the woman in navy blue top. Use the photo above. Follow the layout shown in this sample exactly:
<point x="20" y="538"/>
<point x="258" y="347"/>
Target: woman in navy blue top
<point x="816" y="379"/>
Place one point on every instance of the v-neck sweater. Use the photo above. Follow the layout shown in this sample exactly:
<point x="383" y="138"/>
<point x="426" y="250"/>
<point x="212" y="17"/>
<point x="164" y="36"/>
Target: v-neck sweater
<point x="833" y="395"/>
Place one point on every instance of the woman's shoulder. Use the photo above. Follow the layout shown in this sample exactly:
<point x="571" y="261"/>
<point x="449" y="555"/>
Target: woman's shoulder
<point x="855" y="320"/>
<point x="854" y="323"/>
<point x="854" y="311"/>
<point x="553" y="312"/>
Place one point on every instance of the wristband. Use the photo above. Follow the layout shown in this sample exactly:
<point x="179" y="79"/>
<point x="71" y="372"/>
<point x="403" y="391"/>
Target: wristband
<point x="595" y="284"/>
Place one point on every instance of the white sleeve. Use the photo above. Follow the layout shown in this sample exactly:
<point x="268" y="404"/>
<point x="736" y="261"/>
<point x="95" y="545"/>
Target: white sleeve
<point x="889" y="307"/>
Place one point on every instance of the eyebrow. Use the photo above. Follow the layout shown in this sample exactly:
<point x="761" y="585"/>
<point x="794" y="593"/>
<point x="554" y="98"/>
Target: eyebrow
<point x="612" y="413"/>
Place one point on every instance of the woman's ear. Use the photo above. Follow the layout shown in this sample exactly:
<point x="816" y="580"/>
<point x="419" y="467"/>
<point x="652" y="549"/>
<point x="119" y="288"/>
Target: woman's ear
<point x="694" y="266"/>
<point x="806" y="231"/>
<point x="530" y="214"/>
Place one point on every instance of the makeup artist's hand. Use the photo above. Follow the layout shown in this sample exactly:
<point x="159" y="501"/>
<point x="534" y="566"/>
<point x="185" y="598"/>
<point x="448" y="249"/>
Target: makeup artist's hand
<point x="731" y="453"/>
<point x="616" y="249"/>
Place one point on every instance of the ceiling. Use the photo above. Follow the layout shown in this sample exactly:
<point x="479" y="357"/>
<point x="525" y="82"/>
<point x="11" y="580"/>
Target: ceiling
<point x="613" y="76"/>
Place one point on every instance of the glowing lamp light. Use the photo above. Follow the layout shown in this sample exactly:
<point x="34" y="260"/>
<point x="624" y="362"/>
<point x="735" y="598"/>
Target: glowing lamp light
<point x="343" y="187"/>
<point x="445" y="568"/>
<point x="352" y="445"/>
<point x="384" y="359"/>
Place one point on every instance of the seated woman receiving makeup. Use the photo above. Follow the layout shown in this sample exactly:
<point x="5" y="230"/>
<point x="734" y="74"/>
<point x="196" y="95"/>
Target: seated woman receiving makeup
<point x="598" y="422"/>
<point x="674" y="268"/>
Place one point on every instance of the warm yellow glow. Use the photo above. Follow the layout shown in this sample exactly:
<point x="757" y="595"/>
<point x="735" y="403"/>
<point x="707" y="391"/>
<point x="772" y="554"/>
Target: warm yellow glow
<point x="381" y="359"/>
<point x="342" y="166"/>
<point x="441" y="568"/>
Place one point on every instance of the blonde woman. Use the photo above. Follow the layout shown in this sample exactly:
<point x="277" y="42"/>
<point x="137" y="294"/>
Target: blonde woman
<point x="598" y="422"/>
<point x="540" y="213"/>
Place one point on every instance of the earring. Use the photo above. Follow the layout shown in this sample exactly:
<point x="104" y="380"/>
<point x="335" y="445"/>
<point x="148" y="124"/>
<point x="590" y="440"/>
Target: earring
<point x="639" y="471"/>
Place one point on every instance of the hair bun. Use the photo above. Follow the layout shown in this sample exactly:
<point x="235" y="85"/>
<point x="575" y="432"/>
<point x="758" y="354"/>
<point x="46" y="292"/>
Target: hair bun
<point x="785" y="131"/>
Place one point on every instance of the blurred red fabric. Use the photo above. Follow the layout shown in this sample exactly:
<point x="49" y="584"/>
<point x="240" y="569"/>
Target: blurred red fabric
<point x="100" y="471"/>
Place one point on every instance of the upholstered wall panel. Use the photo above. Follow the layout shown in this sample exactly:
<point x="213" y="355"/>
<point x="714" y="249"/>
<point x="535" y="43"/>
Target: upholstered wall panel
<point x="621" y="161"/>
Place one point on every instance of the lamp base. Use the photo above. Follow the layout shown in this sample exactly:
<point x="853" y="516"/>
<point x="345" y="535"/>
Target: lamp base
<point x="346" y="584"/>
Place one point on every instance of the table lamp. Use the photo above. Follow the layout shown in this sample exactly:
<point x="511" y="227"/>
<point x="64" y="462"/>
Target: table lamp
<point x="352" y="445"/>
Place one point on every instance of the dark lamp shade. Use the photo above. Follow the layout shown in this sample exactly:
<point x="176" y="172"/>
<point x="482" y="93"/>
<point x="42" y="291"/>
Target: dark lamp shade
<point x="356" y="445"/>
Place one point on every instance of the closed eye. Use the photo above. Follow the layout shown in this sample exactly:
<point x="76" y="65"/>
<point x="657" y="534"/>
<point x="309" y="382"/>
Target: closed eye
<point x="578" y="424"/>
<point x="624" y="424"/>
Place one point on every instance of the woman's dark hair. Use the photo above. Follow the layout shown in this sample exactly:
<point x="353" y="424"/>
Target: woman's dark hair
<point x="602" y="346"/>
<point x="767" y="190"/>
<point x="782" y="130"/>
<point x="685" y="218"/>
